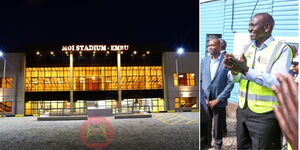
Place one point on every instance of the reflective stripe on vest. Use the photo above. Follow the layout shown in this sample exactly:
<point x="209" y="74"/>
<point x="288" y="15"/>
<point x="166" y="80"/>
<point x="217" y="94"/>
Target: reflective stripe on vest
<point x="260" y="99"/>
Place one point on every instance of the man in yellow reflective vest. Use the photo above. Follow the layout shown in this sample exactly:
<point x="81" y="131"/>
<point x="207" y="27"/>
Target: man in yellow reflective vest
<point x="261" y="59"/>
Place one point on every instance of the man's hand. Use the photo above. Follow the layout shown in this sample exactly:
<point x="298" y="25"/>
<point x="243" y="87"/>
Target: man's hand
<point x="227" y="62"/>
<point x="287" y="112"/>
<point x="236" y="65"/>
<point x="213" y="103"/>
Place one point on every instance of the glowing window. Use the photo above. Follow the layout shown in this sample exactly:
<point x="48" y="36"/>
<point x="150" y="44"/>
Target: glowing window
<point x="184" y="79"/>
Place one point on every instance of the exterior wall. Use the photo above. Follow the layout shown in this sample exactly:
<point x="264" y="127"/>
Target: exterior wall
<point x="187" y="63"/>
<point x="15" y="66"/>
<point x="211" y="21"/>
<point x="231" y="18"/>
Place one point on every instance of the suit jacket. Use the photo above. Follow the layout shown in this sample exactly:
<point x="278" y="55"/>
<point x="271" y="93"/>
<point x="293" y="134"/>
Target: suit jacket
<point x="205" y="116"/>
<point x="218" y="87"/>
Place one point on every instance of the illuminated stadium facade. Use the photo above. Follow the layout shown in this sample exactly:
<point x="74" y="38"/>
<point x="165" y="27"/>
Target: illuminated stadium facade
<point x="40" y="82"/>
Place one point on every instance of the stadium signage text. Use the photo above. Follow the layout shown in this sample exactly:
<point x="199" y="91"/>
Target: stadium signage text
<point x="95" y="47"/>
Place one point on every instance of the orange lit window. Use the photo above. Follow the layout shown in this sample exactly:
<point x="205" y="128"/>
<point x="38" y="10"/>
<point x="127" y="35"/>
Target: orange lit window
<point x="185" y="102"/>
<point x="93" y="78"/>
<point x="184" y="79"/>
<point x="7" y="83"/>
<point x="5" y="106"/>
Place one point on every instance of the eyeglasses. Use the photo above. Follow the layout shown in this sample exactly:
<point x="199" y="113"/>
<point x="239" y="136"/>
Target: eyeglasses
<point x="295" y="63"/>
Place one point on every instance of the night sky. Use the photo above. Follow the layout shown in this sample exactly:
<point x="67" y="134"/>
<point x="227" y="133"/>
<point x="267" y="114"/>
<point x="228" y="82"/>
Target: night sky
<point x="37" y="23"/>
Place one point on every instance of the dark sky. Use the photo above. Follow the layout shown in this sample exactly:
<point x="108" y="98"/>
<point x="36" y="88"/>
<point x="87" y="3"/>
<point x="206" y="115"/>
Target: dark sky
<point x="34" y="23"/>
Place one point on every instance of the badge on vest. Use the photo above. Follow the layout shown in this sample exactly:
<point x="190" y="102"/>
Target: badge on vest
<point x="248" y="55"/>
<point x="262" y="60"/>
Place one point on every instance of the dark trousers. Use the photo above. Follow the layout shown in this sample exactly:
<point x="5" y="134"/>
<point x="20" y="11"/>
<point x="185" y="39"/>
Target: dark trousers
<point x="257" y="131"/>
<point x="218" y="115"/>
<point x="225" y="127"/>
<point x="205" y="141"/>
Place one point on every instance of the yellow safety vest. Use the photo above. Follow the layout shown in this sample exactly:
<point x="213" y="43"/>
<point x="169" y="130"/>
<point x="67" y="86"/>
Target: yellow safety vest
<point x="260" y="99"/>
<point x="289" y="147"/>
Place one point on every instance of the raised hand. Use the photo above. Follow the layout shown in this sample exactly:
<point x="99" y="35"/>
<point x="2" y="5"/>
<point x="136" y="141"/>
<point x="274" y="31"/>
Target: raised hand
<point x="236" y="65"/>
<point x="287" y="112"/>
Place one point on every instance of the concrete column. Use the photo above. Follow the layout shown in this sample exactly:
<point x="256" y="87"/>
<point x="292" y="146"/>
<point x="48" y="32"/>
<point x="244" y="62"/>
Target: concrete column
<point x="71" y="83"/>
<point x="119" y="81"/>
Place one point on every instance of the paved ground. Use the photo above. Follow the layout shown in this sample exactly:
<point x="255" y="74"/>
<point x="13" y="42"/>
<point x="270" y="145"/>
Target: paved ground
<point x="165" y="131"/>
<point x="229" y="142"/>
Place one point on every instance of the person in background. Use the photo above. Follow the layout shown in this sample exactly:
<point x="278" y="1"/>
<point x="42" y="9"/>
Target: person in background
<point x="216" y="88"/>
<point x="287" y="112"/>
<point x="261" y="59"/>
<point x="223" y="46"/>
<point x="223" y="51"/>
<point x="295" y="68"/>
<point x="294" y="50"/>
<point x="295" y="54"/>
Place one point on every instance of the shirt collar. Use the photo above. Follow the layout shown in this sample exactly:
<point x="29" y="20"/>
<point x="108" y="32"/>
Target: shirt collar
<point x="217" y="58"/>
<point x="265" y="44"/>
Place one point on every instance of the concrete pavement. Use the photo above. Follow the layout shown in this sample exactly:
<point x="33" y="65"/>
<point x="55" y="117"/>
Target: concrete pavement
<point x="173" y="131"/>
<point x="229" y="142"/>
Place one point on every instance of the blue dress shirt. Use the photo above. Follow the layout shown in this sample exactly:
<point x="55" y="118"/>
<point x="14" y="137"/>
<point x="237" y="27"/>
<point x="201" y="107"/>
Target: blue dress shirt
<point x="214" y="66"/>
<point x="282" y="66"/>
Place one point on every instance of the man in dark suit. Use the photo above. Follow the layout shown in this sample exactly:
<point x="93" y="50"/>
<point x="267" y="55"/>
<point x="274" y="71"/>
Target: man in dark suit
<point x="216" y="87"/>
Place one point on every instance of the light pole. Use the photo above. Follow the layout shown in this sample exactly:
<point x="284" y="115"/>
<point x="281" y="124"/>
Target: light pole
<point x="3" y="79"/>
<point x="179" y="52"/>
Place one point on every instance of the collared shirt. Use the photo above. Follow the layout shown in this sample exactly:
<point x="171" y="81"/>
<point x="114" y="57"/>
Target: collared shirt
<point x="214" y="64"/>
<point x="281" y="66"/>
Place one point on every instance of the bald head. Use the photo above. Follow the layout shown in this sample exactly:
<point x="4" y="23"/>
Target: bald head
<point x="216" y="40"/>
<point x="260" y="27"/>
<point x="266" y="19"/>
